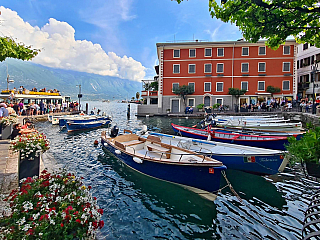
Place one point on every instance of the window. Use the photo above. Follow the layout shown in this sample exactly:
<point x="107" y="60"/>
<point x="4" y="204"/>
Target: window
<point x="262" y="50"/>
<point x="219" y="67"/>
<point x="220" y="52"/>
<point x="219" y="101"/>
<point x="192" y="68"/>
<point x="262" y="67"/>
<point x="286" y="67"/>
<point x="245" y="67"/>
<point x="219" y="87"/>
<point x="285" y="85"/>
<point x="176" y="68"/>
<point x="305" y="46"/>
<point x="245" y="51"/>
<point x="192" y="53"/>
<point x="191" y="85"/>
<point x="312" y="59"/>
<point x="301" y="63"/>
<point x="175" y="86"/>
<point x="207" y="86"/>
<point x="298" y="64"/>
<point x="244" y="86"/>
<point x="191" y="102"/>
<point x="208" y="52"/>
<point x="286" y="50"/>
<point x="207" y="68"/>
<point x="261" y="85"/>
<point x="176" y="53"/>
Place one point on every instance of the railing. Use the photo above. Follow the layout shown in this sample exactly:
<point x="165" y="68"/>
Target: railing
<point x="31" y="93"/>
<point x="149" y="93"/>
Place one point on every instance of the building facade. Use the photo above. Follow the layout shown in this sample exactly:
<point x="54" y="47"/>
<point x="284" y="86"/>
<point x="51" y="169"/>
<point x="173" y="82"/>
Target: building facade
<point x="307" y="58"/>
<point x="211" y="68"/>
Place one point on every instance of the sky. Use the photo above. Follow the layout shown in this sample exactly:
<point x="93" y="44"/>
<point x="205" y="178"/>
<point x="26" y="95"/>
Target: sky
<point x="108" y="37"/>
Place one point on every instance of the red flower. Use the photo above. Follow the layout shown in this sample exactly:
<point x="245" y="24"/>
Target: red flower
<point x="100" y="211"/>
<point x="78" y="221"/>
<point x="30" y="232"/>
<point x="101" y="224"/>
<point x="75" y="213"/>
<point x="61" y="224"/>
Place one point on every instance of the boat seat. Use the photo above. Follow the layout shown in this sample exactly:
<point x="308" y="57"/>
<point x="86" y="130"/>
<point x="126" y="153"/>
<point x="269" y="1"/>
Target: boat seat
<point x="132" y="142"/>
<point x="153" y="147"/>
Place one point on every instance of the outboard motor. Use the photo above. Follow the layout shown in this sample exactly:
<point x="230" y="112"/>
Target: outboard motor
<point x="114" y="131"/>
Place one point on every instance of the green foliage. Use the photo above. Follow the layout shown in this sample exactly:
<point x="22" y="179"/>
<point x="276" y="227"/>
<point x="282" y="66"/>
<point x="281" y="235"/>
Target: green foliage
<point x="272" y="89"/>
<point x="183" y="91"/>
<point x="273" y="20"/>
<point x="154" y="86"/>
<point x="236" y="92"/>
<point x="307" y="149"/>
<point x="216" y="106"/>
<point x="10" y="49"/>
<point x="200" y="106"/>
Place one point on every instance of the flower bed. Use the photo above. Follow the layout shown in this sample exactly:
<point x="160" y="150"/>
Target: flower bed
<point x="30" y="145"/>
<point x="53" y="206"/>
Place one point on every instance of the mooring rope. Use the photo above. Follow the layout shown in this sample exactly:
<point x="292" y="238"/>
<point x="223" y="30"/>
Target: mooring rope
<point x="277" y="235"/>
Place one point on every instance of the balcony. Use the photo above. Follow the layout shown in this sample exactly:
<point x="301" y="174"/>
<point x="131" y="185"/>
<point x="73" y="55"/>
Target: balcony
<point x="149" y="93"/>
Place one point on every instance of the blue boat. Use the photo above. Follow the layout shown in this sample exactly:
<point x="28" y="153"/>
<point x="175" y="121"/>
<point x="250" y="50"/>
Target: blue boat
<point x="270" y="142"/>
<point x="79" y="126"/>
<point x="81" y="119"/>
<point x="196" y="172"/>
<point x="259" y="161"/>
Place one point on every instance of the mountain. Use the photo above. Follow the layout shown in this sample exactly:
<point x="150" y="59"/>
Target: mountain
<point x="93" y="86"/>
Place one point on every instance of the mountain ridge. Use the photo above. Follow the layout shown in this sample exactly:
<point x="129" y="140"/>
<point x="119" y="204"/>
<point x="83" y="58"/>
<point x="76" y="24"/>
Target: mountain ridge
<point x="93" y="86"/>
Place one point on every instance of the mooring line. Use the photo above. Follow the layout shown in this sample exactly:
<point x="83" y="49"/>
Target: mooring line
<point x="277" y="235"/>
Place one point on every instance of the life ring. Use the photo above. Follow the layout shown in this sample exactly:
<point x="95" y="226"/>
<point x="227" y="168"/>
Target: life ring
<point x="81" y="114"/>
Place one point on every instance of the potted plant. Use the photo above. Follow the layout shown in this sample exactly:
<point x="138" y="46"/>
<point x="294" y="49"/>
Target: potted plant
<point x="216" y="106"/>
<point x="6" y="125"/>
<point x="200" y="107"/>
<point x="306" y="150"/>
<point x="30" y="146"/>
<point x="53" y="206"/>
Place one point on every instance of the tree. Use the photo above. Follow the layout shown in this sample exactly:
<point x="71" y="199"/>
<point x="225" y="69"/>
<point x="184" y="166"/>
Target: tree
<point x="274" y="20"/>
<point x="237" y="93"/>
<point x="183" y="91"/>
<point x="10" y="49"/>
<point x="137" y="95"/>
<point x="272" y="90"/>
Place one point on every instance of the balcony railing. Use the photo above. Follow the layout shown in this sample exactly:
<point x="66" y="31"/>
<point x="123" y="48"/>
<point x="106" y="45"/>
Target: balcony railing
<point x="303" y="86"/>
<point x="149" y="93"/>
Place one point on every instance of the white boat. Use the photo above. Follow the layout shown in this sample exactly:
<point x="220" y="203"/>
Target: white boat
<point x="260" y="161"/>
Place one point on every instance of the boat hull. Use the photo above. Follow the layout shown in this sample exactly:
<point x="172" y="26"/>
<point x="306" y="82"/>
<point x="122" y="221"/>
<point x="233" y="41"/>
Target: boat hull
<point x="199" y="177"/>
<point x="277" y="143"/>
<point x="86" y="126"/>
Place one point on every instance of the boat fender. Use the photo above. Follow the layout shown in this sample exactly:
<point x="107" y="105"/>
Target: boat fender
<point x="137" y="160"/>
<point x="114" y="131"/>
<point x="117" y="151"/>
<point x="96" y="142"/>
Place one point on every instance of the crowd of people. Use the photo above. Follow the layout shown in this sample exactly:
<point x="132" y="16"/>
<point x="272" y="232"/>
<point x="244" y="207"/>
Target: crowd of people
<point x="34" y="108"/>
<point x="22" y="90"/>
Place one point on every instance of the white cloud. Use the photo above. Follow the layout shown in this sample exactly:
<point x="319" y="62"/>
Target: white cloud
<point x="59" y="49"/>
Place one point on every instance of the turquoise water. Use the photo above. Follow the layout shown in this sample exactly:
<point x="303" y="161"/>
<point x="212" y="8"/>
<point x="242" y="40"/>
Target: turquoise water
<point x="138" y="207"/>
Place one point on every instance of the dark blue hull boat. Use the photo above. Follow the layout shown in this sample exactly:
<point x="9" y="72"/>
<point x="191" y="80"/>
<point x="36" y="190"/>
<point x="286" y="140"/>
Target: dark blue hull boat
<point x="81" y="119"/>
<point x="270" y="142"/>
<point x="72" y="126"/>
<point x="195" y="172"/>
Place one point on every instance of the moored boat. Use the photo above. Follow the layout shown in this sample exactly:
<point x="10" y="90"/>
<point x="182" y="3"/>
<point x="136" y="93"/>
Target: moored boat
<point x="259" y="161"/>
<point x="78" y="126"/>
<point x="81" y="119"/>
<point x="270" y="142"/>
<point x="166" y="162"/>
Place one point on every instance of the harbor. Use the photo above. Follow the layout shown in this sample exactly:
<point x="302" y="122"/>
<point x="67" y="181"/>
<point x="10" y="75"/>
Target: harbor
<point x="270" y="206"/>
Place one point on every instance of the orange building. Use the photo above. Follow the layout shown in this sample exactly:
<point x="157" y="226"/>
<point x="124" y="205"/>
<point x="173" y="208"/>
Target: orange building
<point x="211" y="68"/>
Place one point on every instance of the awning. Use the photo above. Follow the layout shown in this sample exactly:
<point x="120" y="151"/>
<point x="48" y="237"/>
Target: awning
<point x="310" y="90"/>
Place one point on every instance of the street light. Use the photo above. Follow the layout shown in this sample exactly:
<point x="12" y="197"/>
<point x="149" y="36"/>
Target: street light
<point x="79" y="95"/>
<point x="314" y="69"/>
<point x="8" y="80"/>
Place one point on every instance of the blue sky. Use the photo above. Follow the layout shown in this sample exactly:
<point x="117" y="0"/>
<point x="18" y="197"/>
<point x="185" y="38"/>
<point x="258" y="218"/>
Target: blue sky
<point x="109" y="37"/>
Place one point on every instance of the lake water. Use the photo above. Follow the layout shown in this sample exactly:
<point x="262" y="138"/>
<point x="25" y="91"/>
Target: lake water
<point x="139" y="207"/>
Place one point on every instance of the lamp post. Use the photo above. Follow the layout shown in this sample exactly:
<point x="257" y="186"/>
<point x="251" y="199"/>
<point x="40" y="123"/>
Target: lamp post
<point x="79" y="95"/>
<point x="314" y="69"/>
